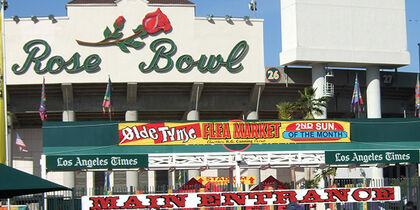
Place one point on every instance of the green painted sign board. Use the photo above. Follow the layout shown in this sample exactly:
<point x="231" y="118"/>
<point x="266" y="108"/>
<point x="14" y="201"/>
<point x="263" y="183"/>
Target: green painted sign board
<point x="371" y="157"/>
<point x="70" y="162"/>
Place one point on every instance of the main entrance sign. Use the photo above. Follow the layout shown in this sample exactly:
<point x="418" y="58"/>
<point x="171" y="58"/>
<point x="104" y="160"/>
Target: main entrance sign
<point x="234" y="199"/>
<point x="263" y="132"/>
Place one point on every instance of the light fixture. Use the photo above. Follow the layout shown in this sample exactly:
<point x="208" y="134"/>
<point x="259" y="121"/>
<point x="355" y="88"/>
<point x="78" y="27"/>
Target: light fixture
<point x="210" y="17"/>
<point x="52" y="18"/>
<point x="172" y="169"/>
<point x="16" y="19"/>
<point x="35" y="19"/>
<point x="203" y="168"/>
<point x="228" y="18"/>
<point x="246" y="18"/>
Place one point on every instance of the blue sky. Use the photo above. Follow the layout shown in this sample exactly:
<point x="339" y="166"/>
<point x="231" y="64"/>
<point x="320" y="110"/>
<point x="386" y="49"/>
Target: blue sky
<point x="269" y="10"/>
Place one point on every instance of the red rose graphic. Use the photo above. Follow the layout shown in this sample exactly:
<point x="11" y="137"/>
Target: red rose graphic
<point x="156" y="21"/>
<point x="119" y="22"/>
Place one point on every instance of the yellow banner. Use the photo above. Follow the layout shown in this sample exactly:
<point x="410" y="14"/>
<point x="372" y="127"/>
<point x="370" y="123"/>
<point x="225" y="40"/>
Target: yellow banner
<point x="233" y="132"/>
<point x="225" y="180"/>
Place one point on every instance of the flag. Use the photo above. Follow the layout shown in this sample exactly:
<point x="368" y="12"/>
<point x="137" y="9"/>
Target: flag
<point x="43" y="104"/>
<point x="107" y="187"/>
<point x="417" y="109"/>
<point x="107" y="103"/>
<point x="20" y="144"/>
<point x="357" y="100"/>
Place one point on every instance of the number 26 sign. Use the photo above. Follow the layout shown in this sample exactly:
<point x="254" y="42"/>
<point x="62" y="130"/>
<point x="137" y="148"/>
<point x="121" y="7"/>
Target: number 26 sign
<point x="273" y="75"/>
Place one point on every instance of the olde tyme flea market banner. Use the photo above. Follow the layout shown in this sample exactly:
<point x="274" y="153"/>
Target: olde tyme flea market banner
<point x="231" y="199"/>
<point x="258" y="132"/>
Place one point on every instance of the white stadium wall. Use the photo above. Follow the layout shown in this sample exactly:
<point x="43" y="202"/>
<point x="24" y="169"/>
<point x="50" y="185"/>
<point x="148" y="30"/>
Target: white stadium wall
<point x="345" y="33"/>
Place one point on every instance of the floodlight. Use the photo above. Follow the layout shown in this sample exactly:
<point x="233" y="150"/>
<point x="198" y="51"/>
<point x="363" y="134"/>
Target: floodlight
<point x="52" y="18"/>
<point x="16" y="19"/>
<point x="35" y="19"/>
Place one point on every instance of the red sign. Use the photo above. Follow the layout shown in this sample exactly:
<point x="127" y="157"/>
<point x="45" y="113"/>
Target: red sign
<point x="252" y="198"/>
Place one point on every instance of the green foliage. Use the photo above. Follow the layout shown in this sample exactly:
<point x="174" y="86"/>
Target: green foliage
<point x="304" y="108"/>
<point x="327" y="174"/>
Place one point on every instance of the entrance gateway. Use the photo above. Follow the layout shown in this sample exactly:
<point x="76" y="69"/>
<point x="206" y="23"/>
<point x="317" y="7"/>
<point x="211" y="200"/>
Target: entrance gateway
<point x="164" y="146"/>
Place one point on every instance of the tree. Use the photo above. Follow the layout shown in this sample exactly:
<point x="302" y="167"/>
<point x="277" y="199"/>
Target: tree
<point x="304" y="108"/>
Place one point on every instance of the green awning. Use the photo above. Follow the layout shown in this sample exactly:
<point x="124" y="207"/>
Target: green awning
<point x="14" y="182"/>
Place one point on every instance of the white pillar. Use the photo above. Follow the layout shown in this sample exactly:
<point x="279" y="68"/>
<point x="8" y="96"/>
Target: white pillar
<point x="132" y="177"/>
<point x="151" y="180"/>
<point x="373" y="99"/>
<point x="252" y="171"/>
<point x="237" y="174"/>
<point x="373" y="92"/>
<point x="193" y="115"/>
<point x="318" y="82"/>
<point x="252" y="115"/>
<point x="171" y="179"/>
<point x="69" y="176"/>
<point x="90" y="183"/>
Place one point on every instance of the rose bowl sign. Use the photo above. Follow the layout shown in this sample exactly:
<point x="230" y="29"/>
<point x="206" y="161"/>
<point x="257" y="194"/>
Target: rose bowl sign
<point x="149" y="49"/>
<point x="234" y="199"/>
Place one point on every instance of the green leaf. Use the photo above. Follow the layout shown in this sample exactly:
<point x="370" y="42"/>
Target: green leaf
<point x="143" y="33"/>
<point x="123" y="47"/>
<point x="107" y="32"/>
<point x="137" y="44"/>
<point x="140" y="27"/>
<point x="117" y="35"/>
<point x="128" y="41"/>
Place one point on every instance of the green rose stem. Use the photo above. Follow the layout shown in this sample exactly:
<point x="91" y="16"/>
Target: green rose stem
<point x="103" y="43"/>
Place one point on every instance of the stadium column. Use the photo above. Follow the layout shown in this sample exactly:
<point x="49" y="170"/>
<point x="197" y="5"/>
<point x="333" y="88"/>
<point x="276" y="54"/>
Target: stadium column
<point x="193" y="115"/>
<point x="373" y="99"/>
<point x="69" y="176"/>
<point x="132" y="177"/>
<point x="318" y="83"/>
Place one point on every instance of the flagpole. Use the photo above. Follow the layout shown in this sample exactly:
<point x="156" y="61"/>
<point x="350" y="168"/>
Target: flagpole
<point x="3" y="92"/>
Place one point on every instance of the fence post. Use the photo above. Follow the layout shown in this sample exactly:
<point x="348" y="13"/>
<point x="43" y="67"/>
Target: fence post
<point x="418" y="192"/>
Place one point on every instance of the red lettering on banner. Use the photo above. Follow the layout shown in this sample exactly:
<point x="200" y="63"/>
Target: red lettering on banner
<point x="356" y="194"/>
<point x="226" y="131"/>
<point x="254" y="131"/>
<point x="383" y="194"/>
<point x="263" y="130"/>
<point x="238" y="130"/>
<point x="205" y="130"/>
<point x="211" y="199"/>
<point x="104" y="202"/>
<point x="283" y="195"/>
<point x="341" y="194"/>
<point x="239" y="198"/>
<point x="260" y="197"/>
<point x="153" y="201"/>
<point x="277" y="129"/>
<point x="178" y="200"/>
<point x="312" y="197"/>
<point x="133" y="203"/>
